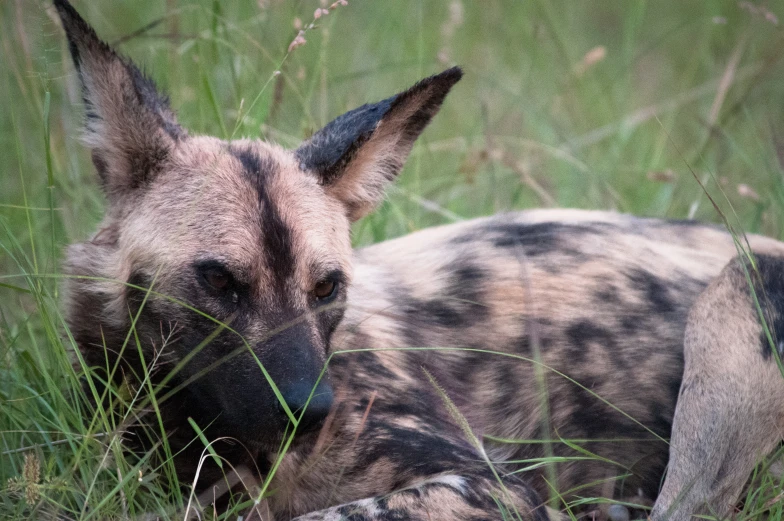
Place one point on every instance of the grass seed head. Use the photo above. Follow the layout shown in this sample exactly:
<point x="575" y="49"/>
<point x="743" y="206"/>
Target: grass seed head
<point x="748" y="192"/>
<point x="31" y="477"/>
<point x="299" y="41"/>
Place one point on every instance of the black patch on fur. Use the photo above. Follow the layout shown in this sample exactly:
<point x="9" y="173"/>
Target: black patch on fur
<point x="654" y="289"/>
<point x="585" y="334"/>
<point x="459" y="305"/>
<point x="275" y="234"/>
<point x="545" y="238"/>
<point x="439" y="312"/>
<point x="609" y="293"/>
<point x="592" y="418"/>
<point x="369" y="362"/>
<point x="685" y="223"/>
<point x="507" y="382"/>
<point x="420" y="453"/>
<point x="256" y="169"/>
<point x="630" y="323"/>
<point x="769" y="288"/>
<point x="462" y="373"/>
<point x="536" y="239"/>
<point x="334" y="146"/>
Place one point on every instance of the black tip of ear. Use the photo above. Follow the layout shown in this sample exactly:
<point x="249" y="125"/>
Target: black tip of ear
<point x="424" y="99"/>
<point x="78" y="31"/>
<point x="65" y="9"/>
<point x="330" y="149"/>
<point x="438" y="86"/>
<point x="446" y="79"/>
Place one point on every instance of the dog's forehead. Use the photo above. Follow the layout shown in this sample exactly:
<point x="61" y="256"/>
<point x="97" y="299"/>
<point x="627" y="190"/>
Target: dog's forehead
<point x="223" y="178"/>
<point x="240" y="200"/>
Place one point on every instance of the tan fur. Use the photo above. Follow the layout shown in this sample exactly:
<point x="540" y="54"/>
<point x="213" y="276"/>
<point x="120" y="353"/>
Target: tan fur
<point x="731" y="406"/>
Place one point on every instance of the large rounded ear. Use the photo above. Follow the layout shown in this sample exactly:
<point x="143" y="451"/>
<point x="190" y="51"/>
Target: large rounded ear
<point x="129" y="125"/>
<point x="356" y="155"/>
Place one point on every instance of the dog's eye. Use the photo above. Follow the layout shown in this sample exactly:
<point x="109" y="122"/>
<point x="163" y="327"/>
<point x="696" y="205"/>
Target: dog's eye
<point x="217" y="279"/>
<point x="325" y="289"/>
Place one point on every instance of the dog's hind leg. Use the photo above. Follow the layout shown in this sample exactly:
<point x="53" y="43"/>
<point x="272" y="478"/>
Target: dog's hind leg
<point x="730" y="410"/>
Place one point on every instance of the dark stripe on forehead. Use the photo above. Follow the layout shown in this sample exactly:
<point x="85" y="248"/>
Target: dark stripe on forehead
<point x="256" y="169"/>
<point x="275" y="235"/>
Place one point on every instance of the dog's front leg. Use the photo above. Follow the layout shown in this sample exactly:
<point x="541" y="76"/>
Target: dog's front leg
<point x="452" y="497"/>
<point x="400" y="467"/>
<point x="730" y="411"/>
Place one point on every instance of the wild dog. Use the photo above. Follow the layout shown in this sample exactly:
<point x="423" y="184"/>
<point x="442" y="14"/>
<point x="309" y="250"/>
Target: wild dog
<point x="231" y="262"/>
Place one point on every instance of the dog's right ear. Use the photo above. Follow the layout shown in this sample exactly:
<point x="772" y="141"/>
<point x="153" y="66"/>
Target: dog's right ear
<point x="129" y="125"/>
<point x="356" y="155"/>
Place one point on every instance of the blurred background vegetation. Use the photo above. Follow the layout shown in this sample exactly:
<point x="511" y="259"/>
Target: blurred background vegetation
<point x="624" y="105"/>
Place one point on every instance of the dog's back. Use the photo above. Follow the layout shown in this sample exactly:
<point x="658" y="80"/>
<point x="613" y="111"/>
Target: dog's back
<point x="585" y="308"/>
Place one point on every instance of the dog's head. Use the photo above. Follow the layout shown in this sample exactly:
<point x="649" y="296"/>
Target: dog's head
<point x="222" y="257"/>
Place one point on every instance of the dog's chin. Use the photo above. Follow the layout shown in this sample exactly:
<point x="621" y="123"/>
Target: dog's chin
<point x="270" y="450"/>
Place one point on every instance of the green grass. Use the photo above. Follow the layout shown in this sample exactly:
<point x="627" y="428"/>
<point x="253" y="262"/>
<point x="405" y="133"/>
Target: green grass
<point x="680" y="90"/>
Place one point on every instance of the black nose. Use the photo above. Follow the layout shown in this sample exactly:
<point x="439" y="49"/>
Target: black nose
<point x="317" y="409"/>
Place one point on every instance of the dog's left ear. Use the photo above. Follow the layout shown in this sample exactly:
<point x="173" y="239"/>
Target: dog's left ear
<point x="356" y="155"/>
<point x="129" y="126"/>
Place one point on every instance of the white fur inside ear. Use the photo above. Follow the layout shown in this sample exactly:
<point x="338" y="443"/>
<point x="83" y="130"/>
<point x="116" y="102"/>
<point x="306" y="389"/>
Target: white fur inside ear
<point x="363" y="185"/>
<point x="94" y="130"/>
<point x="87" y="266"/>
<point x="92" y="136"/>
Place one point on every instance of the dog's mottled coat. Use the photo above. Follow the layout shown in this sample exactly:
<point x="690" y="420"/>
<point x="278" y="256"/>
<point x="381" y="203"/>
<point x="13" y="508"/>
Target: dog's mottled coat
<point x="449" y="350"/>
<point x="606" y="297"/>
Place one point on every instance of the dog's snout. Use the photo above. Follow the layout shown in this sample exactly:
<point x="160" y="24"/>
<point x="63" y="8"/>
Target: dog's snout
<point x="311" y="413"/>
